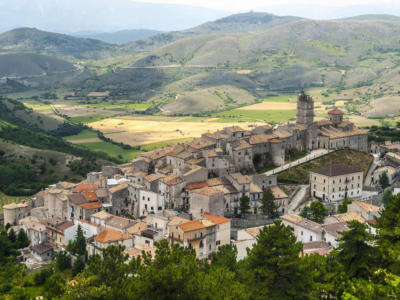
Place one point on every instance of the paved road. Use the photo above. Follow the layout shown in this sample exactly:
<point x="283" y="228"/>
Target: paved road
<point x="374" y="165"/>
<point x="313" y="155"/>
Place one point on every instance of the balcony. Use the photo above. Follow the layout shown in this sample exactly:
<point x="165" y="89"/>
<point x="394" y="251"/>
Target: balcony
<point x="196" y="238"/>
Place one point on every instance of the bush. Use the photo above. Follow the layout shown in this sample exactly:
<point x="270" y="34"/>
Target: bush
<point x="41" y="277"/>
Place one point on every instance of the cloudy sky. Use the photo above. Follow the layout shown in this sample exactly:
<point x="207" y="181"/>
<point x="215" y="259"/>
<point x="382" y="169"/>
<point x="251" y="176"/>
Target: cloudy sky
<point x="307" y="8"/>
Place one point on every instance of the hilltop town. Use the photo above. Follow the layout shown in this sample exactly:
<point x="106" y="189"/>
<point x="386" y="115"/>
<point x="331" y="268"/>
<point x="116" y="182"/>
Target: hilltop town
<point x="207" y="193"/>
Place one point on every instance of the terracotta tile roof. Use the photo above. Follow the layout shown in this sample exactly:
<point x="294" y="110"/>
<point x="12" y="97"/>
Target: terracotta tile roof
<point x="216" y="219"/>
<point x="278" y="193"/>
<point x="261" y="138"/>
<point x="153" y="177"/>
<point x="101" y="192"/>
<point x="109" y="235"/>
<point x="215" y="135"/>
<point x="175" y="221"/>
<point x="196" y="185"/>
<point x="207" y="191"/>
<point x="85" y="187"/>
<point x="345" y="123"/>
<point x="303" y="222"/>
<point x="282" y="134"/>
<point x="201" y="143"/>
<point x="66" y="185"/>
<point x="240" y="178"/>
<point x="137" y="227"/>
<point x="335" y="112"/>
<point x="366" y="206"/>
<point x="243" y="145"/>
<point x="335" y="133"/>
<point x="172" y="180"/>
<point x="102" y="215"/>
<point x="323" y="122"/>
<point x="254" y="231"/>
<point x="349" y="216"/>
<point x="91" y="196"/>
<point x="255" y="188"/>
<point x="210" y="153"/>
<point x="214" y="181"/>
<point x="119" y="222"/>
<point x="336" y="170"/>
<point x="191" y="225"/>
<point x="335" y="228"/>
<point x="15" y="205"/>
<point x="77" y="198"/>
<point x="65" y="225"/>
<point x="91" y="205"/>
<point x="42" y="248"/>
<point x="54" y="191"/>
<point x="121" y="186"/>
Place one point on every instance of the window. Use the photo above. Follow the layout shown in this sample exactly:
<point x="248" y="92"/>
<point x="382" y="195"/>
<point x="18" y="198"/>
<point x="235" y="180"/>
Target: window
<point x="333" y="190"/>
<point x="195" y="235"/>
<point x="270" y="182"/>
<point x="333" y="181"/>
<point x="217" y="243"/>
<point x="324" y="180"/>
<point x="145" y="206"/>
<point x="301" y="233"/>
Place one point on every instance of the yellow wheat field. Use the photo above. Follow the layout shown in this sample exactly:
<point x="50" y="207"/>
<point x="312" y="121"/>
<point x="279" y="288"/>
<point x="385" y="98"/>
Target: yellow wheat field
<point x="270" y="106"/>
<point x="137" y="132"/>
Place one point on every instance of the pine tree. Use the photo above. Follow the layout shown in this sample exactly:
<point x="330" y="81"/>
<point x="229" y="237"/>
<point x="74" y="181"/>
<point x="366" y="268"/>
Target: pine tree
<point x="22" y="239"/>
<point x="244" y="204"/>
<point x="268" y="205"/>
<point x="275" y="268"/>
<point x="342" y="208"/>
<point x="384" y="180"/>
<point x="78" y="266"/>
<point x="12" y="236"/>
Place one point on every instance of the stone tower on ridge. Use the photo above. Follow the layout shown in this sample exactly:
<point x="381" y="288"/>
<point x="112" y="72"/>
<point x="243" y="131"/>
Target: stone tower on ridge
<point x="305" y="117"/>
<point x="305" y="110"/>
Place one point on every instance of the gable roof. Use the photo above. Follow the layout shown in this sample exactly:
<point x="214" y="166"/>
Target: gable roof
<point x="366" y="206"/>
<point x="102" y="215"/>
<point x="85" y="187"/>
<point x="216" y="219"/>
<point x="303" y="222"/>
<point x="109" y="235"/>
<point x="196" y="185"/>
<point x="277" y="192"/>
<point x="65" y="225"/>
<point x="349" y="216"/>
<point x="336" y="170"/>
<point x="77" y="198"/>
<point x="119" y="222"/>
<point x="91" y="205"/>
<point x="207" y="191"/>
<point x="191" y="225"/>
<point x="335" y="228"/>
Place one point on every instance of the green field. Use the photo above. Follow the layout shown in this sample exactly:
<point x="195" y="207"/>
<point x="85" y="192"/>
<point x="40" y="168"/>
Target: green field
<point x="4" y="199"/>
<point x="112" y="150"/>
<point x="153" y="146"/>
<point x="271" y="116"/>
<point x="83" y="135"/>
<point x="87" y="119"/>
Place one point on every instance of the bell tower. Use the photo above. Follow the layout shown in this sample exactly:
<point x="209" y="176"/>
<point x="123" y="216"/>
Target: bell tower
<point x="305" y="116"/>
<point x="305" y="110"/>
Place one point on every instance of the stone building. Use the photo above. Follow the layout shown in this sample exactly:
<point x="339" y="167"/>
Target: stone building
<point x="14" y="212"/>
<point x="334" y="183"/>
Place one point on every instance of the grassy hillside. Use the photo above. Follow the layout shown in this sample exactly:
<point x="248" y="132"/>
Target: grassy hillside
<point x="300" y="174"/>
<point x="31" y="39"/>
<point x="245" y="22"/>
<point x="120" y="37"/>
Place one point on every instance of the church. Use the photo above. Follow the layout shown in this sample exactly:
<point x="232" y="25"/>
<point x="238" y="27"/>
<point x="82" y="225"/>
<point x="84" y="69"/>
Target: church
<point x="331" y="133"/>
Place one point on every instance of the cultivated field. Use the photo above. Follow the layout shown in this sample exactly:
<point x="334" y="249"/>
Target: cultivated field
<point x="270" y="106"/>
<point x="138" y="132"/>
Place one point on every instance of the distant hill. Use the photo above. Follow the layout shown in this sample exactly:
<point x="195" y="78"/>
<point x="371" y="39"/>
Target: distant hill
<point x="238" y="23"/>
<point x="375" y="17"/>
<point x="30" y="64"/>
<point x="120" y="37"/>
<point x="31" y="39"/>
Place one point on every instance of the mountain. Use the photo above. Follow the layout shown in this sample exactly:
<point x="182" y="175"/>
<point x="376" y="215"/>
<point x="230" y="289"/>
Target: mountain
<point x="101" y="15"/>
<point x="32" y="65"/>
<point x="32" y="39"/>
<point x="120" y="37"/>
<point x="238" y="23"/>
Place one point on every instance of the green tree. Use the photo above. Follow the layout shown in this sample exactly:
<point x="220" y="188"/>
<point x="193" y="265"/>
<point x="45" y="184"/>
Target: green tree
<point x="22" y="239"/>
<point x="356" y="253"/>
<point x="315" y="212"/>
<point x="54" y="286"/>
<point x="78" y="246"/>
<point x="275" y="268"/>
<point x="225" y="257"/>
<point x="78" y="266"/>
<point x="63" y="260"/>
<point x="387" y="196"/>
<point x="12" y="236"/>
<point x="244" y="204"/>
<point x="342" y="208"/>
<point x="384" y="180"/>
<point x="388" y="229"/>
<point x="268" y="205"/>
